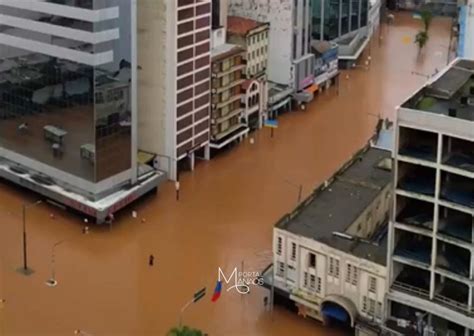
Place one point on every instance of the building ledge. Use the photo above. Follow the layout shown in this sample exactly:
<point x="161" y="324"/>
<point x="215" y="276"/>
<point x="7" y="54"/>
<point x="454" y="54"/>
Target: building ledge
<point x="220" y="74"/>
<point x="230" y="85"/>
<point x="233" y="133"/>
<point x="227" y="116"/>
<point x="98" y="209"/>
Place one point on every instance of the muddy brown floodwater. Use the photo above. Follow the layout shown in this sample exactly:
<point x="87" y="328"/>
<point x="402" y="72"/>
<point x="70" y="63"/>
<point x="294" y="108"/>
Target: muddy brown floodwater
<point x="225" y="217"/>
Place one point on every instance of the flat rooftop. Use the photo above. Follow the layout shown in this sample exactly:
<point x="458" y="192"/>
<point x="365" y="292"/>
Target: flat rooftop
<point x="225" y="50"/>
<point x="450" y="94"/>
<point x="336" y="206"/>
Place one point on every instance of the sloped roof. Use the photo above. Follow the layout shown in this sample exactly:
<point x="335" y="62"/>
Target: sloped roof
<point x="242" y="26"/>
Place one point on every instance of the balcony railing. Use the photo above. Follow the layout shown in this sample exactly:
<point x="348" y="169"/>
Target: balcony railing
<point x="454" y="305"/>
<point x="228" y="86"/>
<point x="442" y="300"/>
<point x="217" y="73"/>
<point x="403" y="287"/>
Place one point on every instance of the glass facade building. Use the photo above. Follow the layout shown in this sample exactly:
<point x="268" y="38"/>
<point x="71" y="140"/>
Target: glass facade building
<point x="66" y="86"/>
<point x="333" y="19"/>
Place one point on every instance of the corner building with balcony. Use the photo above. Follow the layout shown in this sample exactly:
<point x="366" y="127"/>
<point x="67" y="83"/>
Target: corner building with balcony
<point x="431" y="235"/>
<point x="228" y="120"/>
<point x="68" y="117"/>
<point x="253" y="37"/>
<point x="174" y="81"/>
<point x="290" y="61"/>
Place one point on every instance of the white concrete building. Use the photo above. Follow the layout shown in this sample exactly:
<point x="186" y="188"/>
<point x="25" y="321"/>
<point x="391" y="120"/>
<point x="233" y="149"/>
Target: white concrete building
<point x="329" y="254"/>
<point x="174" y="81"/>
<point x="290" y="61"/>
<point x="431" y="236"/>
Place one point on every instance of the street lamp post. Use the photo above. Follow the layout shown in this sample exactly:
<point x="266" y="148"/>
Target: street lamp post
<point x="197" y="296"/>
<point x="300" y="190"/>
<point x="25" y="270"/>
<point x="52" y="282"/>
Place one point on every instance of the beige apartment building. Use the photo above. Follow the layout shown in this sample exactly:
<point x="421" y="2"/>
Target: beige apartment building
<point x="228" y="122"/>
<point x="253" y="36"/>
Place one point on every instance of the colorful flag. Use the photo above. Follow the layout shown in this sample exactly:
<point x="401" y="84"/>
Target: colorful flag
<point x="217" y="291"/>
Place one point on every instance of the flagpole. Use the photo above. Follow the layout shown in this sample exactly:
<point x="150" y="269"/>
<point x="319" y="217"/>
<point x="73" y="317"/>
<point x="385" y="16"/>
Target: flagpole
<point x="180" y="324"/>
<point x="273" y="290"/>
<point x="242" y="275"/>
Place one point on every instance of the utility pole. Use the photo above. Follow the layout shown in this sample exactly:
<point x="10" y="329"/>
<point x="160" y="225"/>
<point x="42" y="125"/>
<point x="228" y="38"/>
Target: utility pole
<point x="25" y="270"/>
<point x="451" y="31"/>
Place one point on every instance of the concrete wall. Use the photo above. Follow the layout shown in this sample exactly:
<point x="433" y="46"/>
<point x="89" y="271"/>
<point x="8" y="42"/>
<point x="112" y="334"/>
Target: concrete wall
<point x="152" y="90"/>
<point x="373" y="216"/>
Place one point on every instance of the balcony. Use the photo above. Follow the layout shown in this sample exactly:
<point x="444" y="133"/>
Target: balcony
<point x="230" y="85"/>
<point x="413" y="248"/>
<point x="231" y="99"/>
<point x="452" y="294"/>
<point x="455" y="225"/>
<point x="457" y="189"/>
<point x="417" y="144"/>
<point x="218" y="73"/>
<point x="227" y="116"/>
<point x="416" y="179"/>
<point x="415" y="213"/>
<point x="453" y="259"/>
<point x="411" y="280"/>
<point x="458" y="153"/>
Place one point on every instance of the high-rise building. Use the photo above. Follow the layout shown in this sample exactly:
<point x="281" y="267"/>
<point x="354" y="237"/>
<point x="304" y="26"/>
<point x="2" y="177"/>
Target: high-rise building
<point x="174" y="81"/>
<point x="68" y="117"/>
<point x="431" y="235"/>
<point x="292" y="65"/>
<point x="349" y="23"/>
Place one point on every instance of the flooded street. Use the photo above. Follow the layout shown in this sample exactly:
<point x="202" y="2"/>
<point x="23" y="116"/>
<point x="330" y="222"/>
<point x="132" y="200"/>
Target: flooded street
<point x="224" y="218"/>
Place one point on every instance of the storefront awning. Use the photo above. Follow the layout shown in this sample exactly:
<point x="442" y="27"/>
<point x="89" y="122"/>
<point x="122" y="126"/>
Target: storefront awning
<point x="312" y="89"/>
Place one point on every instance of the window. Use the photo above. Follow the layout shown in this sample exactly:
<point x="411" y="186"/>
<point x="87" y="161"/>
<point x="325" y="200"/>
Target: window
<point x="305" y="279"/>
<point x="371" y="307"/>
<point x="372" y="284"/>
<point x="318" y="287"/>
<point x="355" y="275"/>
<point x="293" y="251"/>
<point x="349" y="273"/>
<point x="312" y="260"/>
<point x="312" y="282"/>
<point x="369" y="217"/>
<point x="279" y="245"/>
<point x="364" y="304"/>
<point x="281" y="269"/>
<point x="334" y="267"/>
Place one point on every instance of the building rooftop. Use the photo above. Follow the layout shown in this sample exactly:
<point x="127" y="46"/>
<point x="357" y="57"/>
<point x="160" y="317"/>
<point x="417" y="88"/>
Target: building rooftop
<point x="225" y="50"/>
<point x="334" y="207"/>
<point x="451" y="93"/>
<point x="238" y="25"/>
